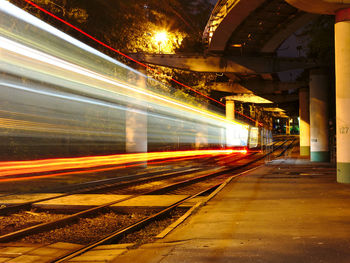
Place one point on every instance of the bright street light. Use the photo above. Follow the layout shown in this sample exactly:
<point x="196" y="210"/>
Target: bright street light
<point x="161" y="38"/>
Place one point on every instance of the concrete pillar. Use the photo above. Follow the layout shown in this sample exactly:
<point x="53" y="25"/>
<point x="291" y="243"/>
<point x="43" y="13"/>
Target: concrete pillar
<point x="201" y="140"/>
<point x="257" y="117"/>
<point x="271" y="123"/>
<point x="304" y="122"/>
<point x="230" y="115"/>
<point x="342" y="72"/>
<point x="230" y="110"/>
<point x="287" y="126"/>
<point x="136" y="121"/>
<point x="319" y="148"/>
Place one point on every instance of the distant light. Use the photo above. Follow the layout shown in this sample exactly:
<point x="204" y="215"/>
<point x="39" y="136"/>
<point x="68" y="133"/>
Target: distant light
<point x="236" y="45"/>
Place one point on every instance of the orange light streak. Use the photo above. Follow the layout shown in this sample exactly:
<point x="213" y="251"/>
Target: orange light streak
<point x="95" y="170"/>
<point x="49" y="165"/>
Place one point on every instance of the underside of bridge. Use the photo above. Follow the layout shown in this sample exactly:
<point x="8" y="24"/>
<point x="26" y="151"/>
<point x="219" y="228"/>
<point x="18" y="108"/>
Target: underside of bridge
<point x="257" y="28"/>
<point x="242" y="39"/>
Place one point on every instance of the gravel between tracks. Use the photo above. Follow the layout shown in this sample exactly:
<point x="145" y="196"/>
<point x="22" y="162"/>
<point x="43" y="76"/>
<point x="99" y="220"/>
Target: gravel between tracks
<point x="148" y="233"/>
<point x="86" y="230"/>
<point x="25" y="219"/>
<point x="89" y="229"/>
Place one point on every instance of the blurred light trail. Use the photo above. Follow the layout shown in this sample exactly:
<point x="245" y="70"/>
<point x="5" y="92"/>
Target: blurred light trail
<point x="117" y="51"/>
<point x="85" y="74"/>
<point x="48" y="165"/>
<point x="128" y="57"/>
<point x="47" y="60"/>
<point x="23" y="177"/>
<point x="22" y="50"/>
<point x="61" y="97"/>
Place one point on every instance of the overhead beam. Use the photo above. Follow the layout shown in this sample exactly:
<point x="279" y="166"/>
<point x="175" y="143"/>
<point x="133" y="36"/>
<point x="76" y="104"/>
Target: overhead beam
<point x="229" y="87"/>
<point x="256" y="86"/>
<point x="276" y="99"/>
<point x="220" y="64"/>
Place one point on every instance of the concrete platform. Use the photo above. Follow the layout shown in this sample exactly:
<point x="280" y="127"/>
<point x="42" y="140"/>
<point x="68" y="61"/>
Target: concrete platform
<point x="31" y="253"/>
<point x="290" y="210"/>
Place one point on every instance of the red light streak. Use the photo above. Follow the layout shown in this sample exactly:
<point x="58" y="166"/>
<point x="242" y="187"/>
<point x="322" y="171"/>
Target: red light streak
<point x="20" y="168"/>
<point x="126" y="56"/>
<point x="95" y="170"/>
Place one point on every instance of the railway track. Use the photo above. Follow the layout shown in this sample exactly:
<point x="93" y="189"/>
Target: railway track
<point x="105" y="185"/>
<point x="219" y="174"/>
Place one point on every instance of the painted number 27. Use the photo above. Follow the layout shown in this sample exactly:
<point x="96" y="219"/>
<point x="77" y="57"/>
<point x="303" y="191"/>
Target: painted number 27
<point x="344" y="130"/>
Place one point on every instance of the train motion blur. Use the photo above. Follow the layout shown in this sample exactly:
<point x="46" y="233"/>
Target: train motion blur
<point x="60" y="97"/>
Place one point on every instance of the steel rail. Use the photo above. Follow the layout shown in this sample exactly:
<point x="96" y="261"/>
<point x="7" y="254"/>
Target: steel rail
<point x="99" y="185"/>
<point x="65" y="220"/>
<point x="138" y="225"/>
<point x="96" y="185"/>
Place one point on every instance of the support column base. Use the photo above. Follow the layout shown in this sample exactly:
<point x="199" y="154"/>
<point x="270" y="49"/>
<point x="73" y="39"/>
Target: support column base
<point x="343" y="173"/>
<point x="304" y="150"/>
<point x="319" y="157"/>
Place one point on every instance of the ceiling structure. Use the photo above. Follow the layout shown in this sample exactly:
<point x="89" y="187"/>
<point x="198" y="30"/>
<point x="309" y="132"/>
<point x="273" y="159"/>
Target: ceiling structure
<point x="242" y="38"/>
<point x="257" y="28"/>
<point x="250" y="27"/>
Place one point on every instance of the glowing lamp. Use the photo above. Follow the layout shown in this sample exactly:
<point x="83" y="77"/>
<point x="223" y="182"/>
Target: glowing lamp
<point x="161" y="37"/>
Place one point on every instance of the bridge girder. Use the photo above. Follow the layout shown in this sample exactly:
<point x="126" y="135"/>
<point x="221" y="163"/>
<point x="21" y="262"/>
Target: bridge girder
<point x="220" y="64"/>
<point x="258" y="87"/>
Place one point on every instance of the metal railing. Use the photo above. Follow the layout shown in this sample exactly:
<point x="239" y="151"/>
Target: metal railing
<point x="221" y="9"/>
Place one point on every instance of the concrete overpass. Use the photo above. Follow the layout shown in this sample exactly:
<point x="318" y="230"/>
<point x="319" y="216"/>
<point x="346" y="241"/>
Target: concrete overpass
<point x="243" y="65"/>
<point x="258" y="26"/>
<point x="341" y="10"/>
<point x="254" y="26"/>
<point x="242" y="38"/>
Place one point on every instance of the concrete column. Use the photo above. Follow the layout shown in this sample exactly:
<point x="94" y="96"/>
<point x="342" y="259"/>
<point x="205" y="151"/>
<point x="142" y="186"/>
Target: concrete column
<point x="201" y="140"/>
<point x="230" y="110"/>
<point x="342" y="72"/>
<point x="136" y="121"/>
<point x="202" y="133"/>
<point x="230" y="115"/>
<point x="319" y="148"/>
<point x="271" y="123"/>
<point x="287" y="126"/>
<point x="257" y="118"/>
<point x="304" y="122"/>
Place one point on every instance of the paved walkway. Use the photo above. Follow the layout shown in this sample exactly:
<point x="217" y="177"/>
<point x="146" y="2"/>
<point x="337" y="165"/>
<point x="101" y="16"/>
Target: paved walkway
<point x="288" y="211"/>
